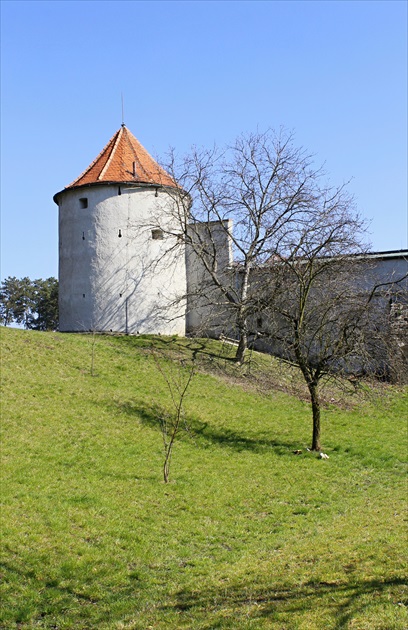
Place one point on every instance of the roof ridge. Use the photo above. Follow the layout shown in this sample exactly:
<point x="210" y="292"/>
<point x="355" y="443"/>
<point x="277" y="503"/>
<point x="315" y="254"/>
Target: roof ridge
<point x="109" y="160"/>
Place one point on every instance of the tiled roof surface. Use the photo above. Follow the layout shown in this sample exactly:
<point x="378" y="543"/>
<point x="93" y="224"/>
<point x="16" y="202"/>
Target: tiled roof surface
<point x="124" y="159"/>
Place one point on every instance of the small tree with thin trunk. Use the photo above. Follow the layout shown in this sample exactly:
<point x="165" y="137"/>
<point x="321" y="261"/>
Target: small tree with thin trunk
<point x="177" y="375"/>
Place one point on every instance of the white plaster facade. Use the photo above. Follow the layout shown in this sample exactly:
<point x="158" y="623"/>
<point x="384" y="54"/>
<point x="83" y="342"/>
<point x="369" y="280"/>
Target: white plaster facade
<point x="113" y="275"/>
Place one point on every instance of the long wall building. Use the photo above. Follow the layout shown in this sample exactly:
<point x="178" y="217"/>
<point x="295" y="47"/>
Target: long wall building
<point x="122" y="264"/>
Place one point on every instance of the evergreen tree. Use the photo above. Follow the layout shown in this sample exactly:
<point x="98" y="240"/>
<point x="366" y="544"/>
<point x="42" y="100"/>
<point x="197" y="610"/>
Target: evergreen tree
<point x="34" y="304"/>
<point x="45" y="305"/>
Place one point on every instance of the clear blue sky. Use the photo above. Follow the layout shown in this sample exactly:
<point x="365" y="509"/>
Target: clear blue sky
<point x="198" y="73"/>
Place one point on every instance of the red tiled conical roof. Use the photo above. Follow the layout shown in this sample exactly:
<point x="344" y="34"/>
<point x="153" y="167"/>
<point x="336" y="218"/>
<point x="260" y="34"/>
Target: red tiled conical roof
<point x="124" y="159"/>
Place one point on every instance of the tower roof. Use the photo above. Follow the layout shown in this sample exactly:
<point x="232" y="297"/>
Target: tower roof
<point x="123" y="159"/>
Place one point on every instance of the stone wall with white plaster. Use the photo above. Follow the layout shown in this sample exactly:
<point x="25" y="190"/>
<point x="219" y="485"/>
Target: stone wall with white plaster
<point x="113" y="275"/>
<point x="208" y="311"/>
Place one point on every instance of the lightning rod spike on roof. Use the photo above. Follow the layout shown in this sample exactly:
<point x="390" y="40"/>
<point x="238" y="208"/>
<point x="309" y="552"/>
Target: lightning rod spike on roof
<point x="123" y="109"/>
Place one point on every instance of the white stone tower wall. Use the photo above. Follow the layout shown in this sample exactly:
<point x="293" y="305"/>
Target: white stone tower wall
<point x="113" y="275"/>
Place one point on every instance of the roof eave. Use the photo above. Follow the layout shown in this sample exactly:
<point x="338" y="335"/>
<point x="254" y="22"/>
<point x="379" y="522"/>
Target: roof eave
<point x="130" y="184"/>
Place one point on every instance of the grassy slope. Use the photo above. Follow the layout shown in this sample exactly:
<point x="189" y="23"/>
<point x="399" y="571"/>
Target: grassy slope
<point x="248" y="535"/>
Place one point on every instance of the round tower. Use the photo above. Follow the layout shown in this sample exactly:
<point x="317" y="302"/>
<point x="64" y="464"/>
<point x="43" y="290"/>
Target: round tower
<point x="119" y="269"/>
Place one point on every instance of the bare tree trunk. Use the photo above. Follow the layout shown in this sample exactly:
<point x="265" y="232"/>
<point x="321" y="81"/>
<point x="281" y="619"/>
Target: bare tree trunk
<point x="242" y="319"/>
<point x="314" y="398"/>
<point x="166" y="465"/>
<point x="168" y="447"/>
<point x="242" y="346"/>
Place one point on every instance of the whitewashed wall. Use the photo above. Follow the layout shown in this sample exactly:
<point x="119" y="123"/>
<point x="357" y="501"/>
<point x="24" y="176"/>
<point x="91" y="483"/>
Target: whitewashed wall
<point x="113" y="275"/>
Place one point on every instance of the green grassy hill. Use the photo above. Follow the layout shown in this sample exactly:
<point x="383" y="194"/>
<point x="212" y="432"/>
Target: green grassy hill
<point x="247" y="534"/>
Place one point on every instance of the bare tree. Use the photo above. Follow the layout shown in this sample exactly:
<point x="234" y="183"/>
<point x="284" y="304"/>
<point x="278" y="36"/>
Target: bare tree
<point x="178" y="375"/>
<point x="236" y="209"/>
<point x="327" y="312"/>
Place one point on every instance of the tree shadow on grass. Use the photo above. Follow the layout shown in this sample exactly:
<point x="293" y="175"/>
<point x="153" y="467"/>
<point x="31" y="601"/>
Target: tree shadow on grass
<point x="204" y="434"/>
<point x="39" y="606"/>
<point x="341" y="600"/>
<point x="338" y="602"/>
<point x="196" y="346"/>
<point x="75" y="597"/>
